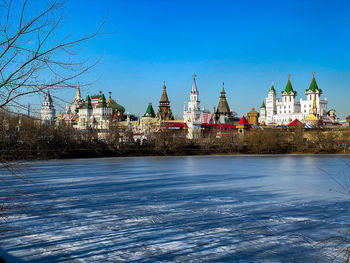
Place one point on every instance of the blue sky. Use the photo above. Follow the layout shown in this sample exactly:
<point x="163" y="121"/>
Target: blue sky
<point x="246" y="44"/>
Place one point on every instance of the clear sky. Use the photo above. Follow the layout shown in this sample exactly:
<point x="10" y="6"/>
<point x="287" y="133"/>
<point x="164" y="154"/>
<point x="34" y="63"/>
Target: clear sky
<point x="246" y="44"/>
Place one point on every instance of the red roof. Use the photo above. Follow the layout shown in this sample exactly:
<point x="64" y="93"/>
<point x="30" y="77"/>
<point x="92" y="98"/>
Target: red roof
<point x="348" y="117"/>
<point x="176" y="124"/>
<point x="244" y="121"/>
<point x="296" y="122"/>
<point x="219" y="126"/>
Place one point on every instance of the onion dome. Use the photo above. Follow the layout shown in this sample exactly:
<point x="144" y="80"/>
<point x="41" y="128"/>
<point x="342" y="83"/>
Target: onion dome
<point x="114" y="105"/>
<point x="289" y="88"/>
<point x="149" y="112"/>
<point x="313" y="85"/>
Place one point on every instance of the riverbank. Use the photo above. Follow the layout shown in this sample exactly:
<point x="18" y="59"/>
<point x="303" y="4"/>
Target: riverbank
<point x="33" y="142"/>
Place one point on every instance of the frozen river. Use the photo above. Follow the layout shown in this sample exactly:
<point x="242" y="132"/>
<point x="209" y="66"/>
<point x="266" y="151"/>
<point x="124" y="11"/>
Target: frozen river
<point x="177" y="209"/>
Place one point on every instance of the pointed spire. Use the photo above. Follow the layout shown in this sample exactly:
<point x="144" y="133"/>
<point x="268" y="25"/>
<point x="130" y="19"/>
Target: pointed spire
<point x="313" y="85"/>
<point x="194" y="85"/>
<point x="223" y="89"/>
<point x="272" y="87"/>
<point x="149" y="111"/>
<point x="223" y="105"/>
<point x="77" y="93"/>
<point x="289" y="88"/>
<point x="164" y="98"/>
<point x="263" y="104"/>
<point x="48" y="96"/>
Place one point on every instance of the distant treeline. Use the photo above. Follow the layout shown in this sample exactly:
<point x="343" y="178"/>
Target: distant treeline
<point x="23" y="139"/>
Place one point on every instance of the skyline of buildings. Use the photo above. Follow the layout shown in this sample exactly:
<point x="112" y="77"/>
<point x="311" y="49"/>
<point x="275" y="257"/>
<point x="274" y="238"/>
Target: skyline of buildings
<point x="277" y="110"/>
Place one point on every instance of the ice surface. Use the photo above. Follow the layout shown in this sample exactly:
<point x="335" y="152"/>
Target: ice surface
<point x="183" y="209"/>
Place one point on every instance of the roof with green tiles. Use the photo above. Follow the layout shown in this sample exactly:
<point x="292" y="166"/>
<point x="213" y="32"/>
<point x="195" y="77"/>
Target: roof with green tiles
<point x="313" y="85"/>
<point x="289" y="88"/>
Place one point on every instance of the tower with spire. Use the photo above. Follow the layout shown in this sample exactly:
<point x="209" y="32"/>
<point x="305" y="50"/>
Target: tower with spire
<point x="271" y="108"/>
<point x="193" y="111"/>
<point x="223" y="114"/>
<point x="262" y="115"/>
<point x="47" y="112"/>
<point x="192" y="114"/>
<point x="77" y="101"/>
<point x="164" y="111"/>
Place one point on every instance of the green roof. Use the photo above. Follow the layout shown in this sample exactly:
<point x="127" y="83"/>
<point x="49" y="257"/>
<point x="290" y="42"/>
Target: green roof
<point x="313" y="85"/>
<point x="102" y="101"/>
<point x="263" y="105"/>
<point x="149" y="112"/>
<point x="87" y="104"/>
<point x="272" y="87"/>
<point x="289" y="88"/>
<point x="115" y="106"/>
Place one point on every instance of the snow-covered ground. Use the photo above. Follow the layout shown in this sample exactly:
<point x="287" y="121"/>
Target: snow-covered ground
<point x="177" y="209"/>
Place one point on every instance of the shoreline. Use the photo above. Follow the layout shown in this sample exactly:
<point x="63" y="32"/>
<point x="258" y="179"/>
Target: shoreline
<point x="183" y="155"/>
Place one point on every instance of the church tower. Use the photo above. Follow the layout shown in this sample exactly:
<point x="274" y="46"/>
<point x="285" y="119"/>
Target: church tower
<point x="164" y="111"/>
<point x="313" y="93"/>
<point x="223" y="113"/>
<point x="271" y="107"/>
<point x="77" y="102"/>
<point x="262" y="118"/>
<point x="193" y="111"/>
<point x="47" y="112"/>
<point x="192" y="115"/>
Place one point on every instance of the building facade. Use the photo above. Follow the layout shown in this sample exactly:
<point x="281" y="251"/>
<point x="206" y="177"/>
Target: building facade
<point x="95" y="117"/>
<point x="283" y="111"/>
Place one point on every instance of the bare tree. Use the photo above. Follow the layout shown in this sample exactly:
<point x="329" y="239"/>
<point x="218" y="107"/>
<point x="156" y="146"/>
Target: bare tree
<point x="34" y="52"/>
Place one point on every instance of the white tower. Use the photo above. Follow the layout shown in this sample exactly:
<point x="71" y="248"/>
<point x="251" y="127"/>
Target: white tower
<point x="193" y="112"/>
<point x="77" y="102"/>
<point x="47" y="112"/>
<point x="271" y="108"/>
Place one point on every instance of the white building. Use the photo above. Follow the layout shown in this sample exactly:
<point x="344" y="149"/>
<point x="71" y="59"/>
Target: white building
<point x="283" y="111"/>
<point x="193" y="115"/>
<point x="77" y="102"/>
<point x="97" y="117"/>
<point x="47" y="112"/>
